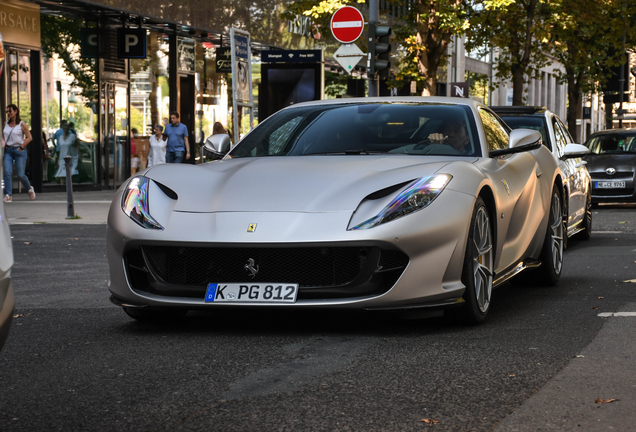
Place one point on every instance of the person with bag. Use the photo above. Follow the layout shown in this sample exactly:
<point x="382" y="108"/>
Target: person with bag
<point x="16" y="137"/>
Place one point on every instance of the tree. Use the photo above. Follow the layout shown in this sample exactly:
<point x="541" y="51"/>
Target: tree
<point x="437" y="21"/>
<point x="61" y="36"/>
<point x="586" y="39"/>
<point x="519" y="30"/>
<point x="424" y="34"/>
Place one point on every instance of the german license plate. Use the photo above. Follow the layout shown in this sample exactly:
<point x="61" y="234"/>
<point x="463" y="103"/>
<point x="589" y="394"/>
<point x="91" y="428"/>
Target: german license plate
<point x="609" y="185"/>
<point x="251" y="293"/>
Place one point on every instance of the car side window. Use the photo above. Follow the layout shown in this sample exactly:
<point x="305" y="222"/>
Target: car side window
<point x="565" y="130"/>
<point x="560" y="137"/>
<point x="497" y="134"/>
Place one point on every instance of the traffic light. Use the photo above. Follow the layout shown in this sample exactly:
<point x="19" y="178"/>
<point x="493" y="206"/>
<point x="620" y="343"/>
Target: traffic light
<point x="380" y="50"/>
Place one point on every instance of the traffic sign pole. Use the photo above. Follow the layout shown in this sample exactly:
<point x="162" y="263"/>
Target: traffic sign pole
<point x="374" y="18"/>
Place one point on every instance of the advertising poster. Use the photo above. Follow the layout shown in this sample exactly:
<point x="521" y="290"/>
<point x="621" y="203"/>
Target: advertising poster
<point x="242" y="65"/>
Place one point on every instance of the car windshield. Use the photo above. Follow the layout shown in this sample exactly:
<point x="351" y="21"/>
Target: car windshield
<point x="364" y="128"/>
<point x="612" y="143"/>
<point x="529" y="122"/>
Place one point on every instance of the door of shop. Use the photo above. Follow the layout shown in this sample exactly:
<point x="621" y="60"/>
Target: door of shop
<point x="22" y="88"/>
<point x="115" y="132"/>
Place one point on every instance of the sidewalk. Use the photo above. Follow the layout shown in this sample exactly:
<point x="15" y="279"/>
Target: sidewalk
<point x="51" y="207"/>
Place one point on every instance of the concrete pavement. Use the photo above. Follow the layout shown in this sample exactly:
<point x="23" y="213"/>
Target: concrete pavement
<point x="51" y="207"/>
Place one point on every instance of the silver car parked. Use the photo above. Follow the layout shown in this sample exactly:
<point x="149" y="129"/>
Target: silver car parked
<point x="577" y="181"/>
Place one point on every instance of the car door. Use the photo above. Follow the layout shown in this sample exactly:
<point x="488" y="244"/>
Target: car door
<point x="520" y="206"/>
<point x="573" y="172"/>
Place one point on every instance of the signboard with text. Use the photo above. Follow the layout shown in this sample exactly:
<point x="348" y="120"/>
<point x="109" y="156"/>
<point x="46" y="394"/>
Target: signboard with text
<point x="292" y="56"/>
<point x="131" y="43"/>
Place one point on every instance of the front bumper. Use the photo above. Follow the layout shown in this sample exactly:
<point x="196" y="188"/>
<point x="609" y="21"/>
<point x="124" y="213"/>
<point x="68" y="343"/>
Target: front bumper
<point x="415" y="260"/>
<point x="623" y="194"/>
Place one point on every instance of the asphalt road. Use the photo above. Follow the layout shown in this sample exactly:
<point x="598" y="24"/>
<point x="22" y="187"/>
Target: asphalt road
<point x="74" y="362"/>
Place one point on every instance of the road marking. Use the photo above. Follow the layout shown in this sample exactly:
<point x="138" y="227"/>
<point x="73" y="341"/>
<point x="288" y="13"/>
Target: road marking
<point x="617" y="314"/>
<point x="62" y="202"/>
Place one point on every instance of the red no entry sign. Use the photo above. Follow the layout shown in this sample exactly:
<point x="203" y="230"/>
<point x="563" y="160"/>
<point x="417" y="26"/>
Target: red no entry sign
<point x="347" y="24"/>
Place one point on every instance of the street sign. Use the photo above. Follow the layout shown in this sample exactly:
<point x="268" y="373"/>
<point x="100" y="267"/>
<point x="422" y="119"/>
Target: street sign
<point x="348" y="56"/>
<point x="347" y="24"/>
<point x="460" y="89"/>
<point x="131" y="43"/>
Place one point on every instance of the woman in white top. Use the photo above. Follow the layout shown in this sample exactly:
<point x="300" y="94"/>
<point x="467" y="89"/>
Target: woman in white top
<point x="16" y="136"/>
<point x="157" y="153"/>
<point x="67" y="145"/>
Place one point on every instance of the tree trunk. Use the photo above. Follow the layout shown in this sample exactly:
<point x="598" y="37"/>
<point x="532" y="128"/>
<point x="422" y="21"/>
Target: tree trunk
<point x="517" y="85"/>
<point x="430" y="84"/>
<point x="574" y="102"/>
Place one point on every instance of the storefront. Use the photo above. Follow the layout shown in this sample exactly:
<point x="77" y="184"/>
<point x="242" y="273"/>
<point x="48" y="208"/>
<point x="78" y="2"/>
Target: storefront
<point x="75" y="67"/>
<point x="20" y="30"/>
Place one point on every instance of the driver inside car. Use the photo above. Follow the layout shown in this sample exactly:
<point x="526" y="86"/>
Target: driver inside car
<point x="453" y="133"/>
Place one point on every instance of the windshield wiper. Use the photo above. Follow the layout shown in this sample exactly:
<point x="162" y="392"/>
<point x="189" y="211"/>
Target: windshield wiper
<point x="347" y="152"/>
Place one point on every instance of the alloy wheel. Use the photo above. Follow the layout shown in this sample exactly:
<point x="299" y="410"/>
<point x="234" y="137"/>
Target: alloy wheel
<point x="482" y="259"/>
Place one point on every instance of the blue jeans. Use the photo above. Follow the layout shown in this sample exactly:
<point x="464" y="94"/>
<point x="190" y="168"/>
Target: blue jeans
<point x="175" y="156"/>
<point x="20" y="157"/>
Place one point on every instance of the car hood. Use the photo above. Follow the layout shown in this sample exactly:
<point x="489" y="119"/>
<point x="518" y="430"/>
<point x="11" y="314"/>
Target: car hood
<point x="289" y="184"/>
<point x="620" y="162"/>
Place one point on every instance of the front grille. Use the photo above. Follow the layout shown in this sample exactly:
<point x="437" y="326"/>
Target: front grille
<point x="320" y="272"/>
<point x="621" y="175"/>
<point x="622" y="192"/>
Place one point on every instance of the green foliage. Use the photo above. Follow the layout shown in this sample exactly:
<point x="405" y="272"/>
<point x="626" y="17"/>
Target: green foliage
<point x="520" y="30"/>
<point x="61" y="36"/>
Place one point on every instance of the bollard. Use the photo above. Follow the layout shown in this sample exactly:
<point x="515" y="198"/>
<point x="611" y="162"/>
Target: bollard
<point x="70" y="214"/>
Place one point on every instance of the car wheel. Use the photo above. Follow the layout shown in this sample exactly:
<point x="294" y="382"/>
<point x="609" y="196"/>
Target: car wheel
<point x="478" y="270"/>
<point x="158" y="316"/>
<point x="587" y="220"/>
<point x="552" y="251"/>
<point x="566" y="216"/>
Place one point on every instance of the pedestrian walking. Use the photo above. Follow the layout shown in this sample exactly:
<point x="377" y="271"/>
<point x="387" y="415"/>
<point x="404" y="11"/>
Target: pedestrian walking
<point x="157" y="147"/>
<point x="67" y="145"/>
<point x="177" y="134"/>
<point x="17" y="137"/>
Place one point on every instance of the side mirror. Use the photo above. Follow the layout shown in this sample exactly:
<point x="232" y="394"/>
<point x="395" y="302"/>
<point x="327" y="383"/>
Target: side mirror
<point x="574" y="151"/>
<point x="216" y="146"/>
<point x="521" y="140"/>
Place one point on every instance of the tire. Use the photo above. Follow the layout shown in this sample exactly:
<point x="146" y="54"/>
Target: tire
<point x="478" y="269"/>
<point x="156" y="316"/>
<point x="552" y="251"/>
<point x="587" y="220"/>
<point x="566" y="217"/>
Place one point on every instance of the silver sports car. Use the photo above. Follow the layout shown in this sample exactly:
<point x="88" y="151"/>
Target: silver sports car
<point x="375" y="203"/>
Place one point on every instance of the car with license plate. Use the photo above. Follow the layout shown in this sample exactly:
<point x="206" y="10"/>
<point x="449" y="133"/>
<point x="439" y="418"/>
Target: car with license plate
<point x="612" y="165"/>
<point x="577" y="209"/>
<point x="415" y="203"/>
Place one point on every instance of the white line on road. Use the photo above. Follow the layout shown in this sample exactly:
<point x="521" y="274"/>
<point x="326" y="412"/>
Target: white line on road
<point x="61" y="202"/>
<point x="617" y="314"/>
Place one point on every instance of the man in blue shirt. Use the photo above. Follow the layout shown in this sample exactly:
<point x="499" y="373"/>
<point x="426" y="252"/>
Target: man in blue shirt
<point x="177" y="134"/>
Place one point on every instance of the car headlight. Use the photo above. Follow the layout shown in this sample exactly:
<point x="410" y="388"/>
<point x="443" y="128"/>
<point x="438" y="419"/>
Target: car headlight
<point x="415" y="197"/>
<point x="134" y="203"/>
